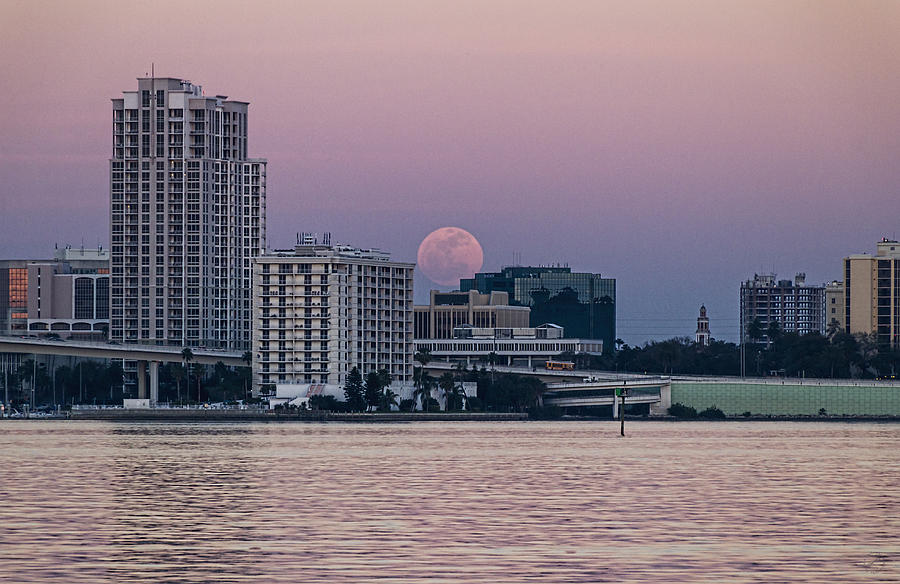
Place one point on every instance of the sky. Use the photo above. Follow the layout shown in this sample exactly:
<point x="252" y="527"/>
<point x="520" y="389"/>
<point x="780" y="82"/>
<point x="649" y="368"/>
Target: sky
<point x="679" y="147"/>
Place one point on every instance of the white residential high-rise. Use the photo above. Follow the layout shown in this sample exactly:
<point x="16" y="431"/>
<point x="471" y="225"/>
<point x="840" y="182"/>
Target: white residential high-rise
<point x="321" y="309"/>
<point x="187" y="217"/>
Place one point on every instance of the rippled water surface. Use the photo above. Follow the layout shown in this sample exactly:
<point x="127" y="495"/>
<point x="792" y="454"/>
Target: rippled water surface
<point x="449" y="502"/>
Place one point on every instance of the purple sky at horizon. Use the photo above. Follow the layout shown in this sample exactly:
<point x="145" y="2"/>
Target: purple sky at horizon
<point x="679" y="147"/>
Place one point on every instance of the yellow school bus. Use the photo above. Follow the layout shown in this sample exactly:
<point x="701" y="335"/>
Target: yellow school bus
<point x="559" y="365"/>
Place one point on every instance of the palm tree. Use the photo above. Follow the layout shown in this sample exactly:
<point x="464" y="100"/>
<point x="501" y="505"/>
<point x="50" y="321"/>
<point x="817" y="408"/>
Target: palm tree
<point x="423" y="390"/>
<point x="418" y="372"/>
<point x="186" y="357"/>
<point x="834" y="327"/>
<point x="388" y="398"/>
<point x="773" y="333"/>
<point x="178" y="374"/>
<point x="452" y="391"/>
<point x="493" y="358"/>
<point x="423" y="357"/>
<point x="755" y="330"/>
<point x="247" y="358"/>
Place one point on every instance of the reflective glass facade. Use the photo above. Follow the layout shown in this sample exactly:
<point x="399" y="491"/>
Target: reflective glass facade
<point x="583" y="303"/>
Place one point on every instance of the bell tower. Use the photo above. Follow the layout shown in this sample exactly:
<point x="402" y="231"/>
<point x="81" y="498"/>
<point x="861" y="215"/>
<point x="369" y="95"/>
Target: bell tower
<point x="702" y="335"/>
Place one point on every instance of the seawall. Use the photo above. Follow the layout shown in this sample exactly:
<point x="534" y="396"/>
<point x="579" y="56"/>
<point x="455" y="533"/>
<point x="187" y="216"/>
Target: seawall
<point x="196" y="415"/>
<point x="790" y="397"/>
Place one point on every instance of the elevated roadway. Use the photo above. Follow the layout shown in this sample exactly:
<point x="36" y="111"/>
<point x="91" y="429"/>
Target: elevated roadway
<point x="143" y="354"/>
<point x="656" y="392"/>
<point x="589" y="388"/>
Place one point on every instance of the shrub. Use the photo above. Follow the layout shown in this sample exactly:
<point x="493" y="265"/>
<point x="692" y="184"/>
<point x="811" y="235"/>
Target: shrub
<point x="680" y="410"/>
<point x="327" y="402"/>
<point x="407" y="405"/>
<point x="545" y="413"/>
<point x="747" y="414"/>
<point x="712" y="413"/>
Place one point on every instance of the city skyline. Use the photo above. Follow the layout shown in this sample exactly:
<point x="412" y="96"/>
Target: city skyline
<point x="677" y="148"/>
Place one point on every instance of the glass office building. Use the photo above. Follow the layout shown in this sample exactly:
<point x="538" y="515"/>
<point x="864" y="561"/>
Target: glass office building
<point x="583" y="303"/>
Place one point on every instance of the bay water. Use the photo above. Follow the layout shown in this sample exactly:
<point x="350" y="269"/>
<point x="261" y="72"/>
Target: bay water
<point x="449" y="502"/>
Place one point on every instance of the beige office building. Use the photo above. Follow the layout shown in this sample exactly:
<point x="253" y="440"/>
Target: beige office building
<point x="449" y="310"/>
<point x="834" y="306"/>
<point x="320" y="309"/>
<point x="872" y="293"/>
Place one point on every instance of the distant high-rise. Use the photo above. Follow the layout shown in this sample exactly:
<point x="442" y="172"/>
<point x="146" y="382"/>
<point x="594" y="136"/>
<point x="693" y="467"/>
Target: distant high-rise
<point x="834" y="307"/>
<point x="792" y="305"/>
<point x="872" y="293"/>
<point x="187" y="216"/>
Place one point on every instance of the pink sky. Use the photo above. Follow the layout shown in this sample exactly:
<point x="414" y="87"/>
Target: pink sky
<point x="676" y="146"/>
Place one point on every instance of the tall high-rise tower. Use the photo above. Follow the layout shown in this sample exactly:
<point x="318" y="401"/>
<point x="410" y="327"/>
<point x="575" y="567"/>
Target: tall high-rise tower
<point x="187" y="215"/>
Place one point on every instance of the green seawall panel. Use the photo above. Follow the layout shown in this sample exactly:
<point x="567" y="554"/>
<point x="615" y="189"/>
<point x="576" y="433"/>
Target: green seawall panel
<point x="791" y="398"/>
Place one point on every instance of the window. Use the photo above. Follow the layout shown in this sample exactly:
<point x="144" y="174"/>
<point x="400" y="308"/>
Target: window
<point x="18" y="287"/>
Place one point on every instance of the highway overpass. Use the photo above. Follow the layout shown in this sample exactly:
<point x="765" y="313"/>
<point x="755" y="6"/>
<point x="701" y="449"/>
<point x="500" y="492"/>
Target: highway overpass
<point x="143" y="354"/>
<point x="568" y="389"/>
<point x="655" y="392"/>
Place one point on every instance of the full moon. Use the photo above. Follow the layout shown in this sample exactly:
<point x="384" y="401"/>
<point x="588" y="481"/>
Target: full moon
<point x="448" y="254"/>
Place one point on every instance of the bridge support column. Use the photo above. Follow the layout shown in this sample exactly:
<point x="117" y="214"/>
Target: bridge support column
<point x="665" y="401"/>
<point x="142" y="379"/>
<point x="154" y="382"/>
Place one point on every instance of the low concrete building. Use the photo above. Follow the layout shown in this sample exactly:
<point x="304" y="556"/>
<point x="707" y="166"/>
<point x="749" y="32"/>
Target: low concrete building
<point x="448" y="310"/>
<point x="524" y="346"/>
<point x="67" y="295"/>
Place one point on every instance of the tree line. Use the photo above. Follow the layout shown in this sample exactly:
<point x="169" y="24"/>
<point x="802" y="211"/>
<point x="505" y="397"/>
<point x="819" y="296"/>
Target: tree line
<point x="496" y="392"/>
<point x="101" y="382"/>
<point x="768" y="351"/>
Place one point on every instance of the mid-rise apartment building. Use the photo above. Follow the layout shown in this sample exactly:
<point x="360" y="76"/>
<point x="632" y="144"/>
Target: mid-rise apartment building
<point x="794" y="305"/>
<point x="187" y="217"/>
<point x="321" y="309"/>
<point x="872" y="293"/>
